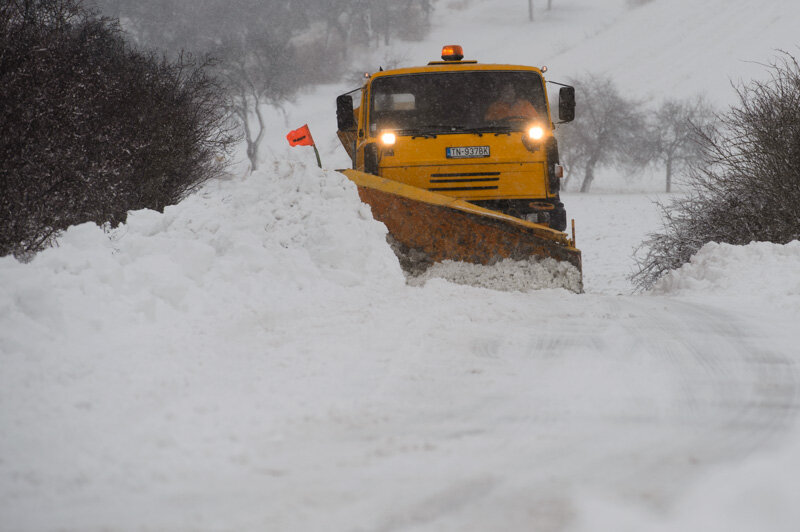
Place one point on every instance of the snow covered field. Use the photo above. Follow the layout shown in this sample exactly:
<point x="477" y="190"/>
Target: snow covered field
<point x="253" y="359"/>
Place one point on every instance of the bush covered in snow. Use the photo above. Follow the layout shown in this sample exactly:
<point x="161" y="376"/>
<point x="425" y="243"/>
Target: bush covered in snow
<point x="93" y="128"/>
<point x="746" y="187"/>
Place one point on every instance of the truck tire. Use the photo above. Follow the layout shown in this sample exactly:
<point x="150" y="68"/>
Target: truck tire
<point x="558" y="217"/>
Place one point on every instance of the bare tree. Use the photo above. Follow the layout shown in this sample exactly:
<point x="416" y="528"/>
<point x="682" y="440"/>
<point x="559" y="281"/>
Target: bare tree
<point x="746" y="186"/>
<point x="269" y="48"/>
<point x="672" y="134"/>
<point x="258" y="71"/>
<point x="530" y="10"/>
<point x="607" y="130"/>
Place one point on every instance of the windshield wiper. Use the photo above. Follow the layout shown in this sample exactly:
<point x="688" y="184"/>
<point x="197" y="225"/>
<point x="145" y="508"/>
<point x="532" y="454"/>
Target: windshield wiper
<point x="440" y="127"/>
<point x="489" y="129"/>
<point x="417" y="132"/>
<point x="431" y="130"/>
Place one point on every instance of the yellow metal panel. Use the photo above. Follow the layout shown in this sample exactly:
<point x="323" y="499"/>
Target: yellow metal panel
<point x="511" y="171"/>
<point x="400" y="189"/>
<point x="484" y="181"/>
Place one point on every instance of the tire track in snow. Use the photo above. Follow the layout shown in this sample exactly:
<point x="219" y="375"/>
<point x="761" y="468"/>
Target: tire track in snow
<point x="702" y="388"/>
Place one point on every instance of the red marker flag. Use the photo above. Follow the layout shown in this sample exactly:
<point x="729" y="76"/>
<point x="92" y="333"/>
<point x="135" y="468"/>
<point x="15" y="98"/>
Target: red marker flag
<point x="300" y="137"/>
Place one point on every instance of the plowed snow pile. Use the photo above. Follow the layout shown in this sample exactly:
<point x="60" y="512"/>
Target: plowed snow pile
<point x="730" y="271"/>
<point x="219" y="255"/>
<point x="506" y="274"/>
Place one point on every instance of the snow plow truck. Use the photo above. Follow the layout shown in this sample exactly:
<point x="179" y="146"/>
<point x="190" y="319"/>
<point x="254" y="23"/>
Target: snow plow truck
<point x="459" y="160"/>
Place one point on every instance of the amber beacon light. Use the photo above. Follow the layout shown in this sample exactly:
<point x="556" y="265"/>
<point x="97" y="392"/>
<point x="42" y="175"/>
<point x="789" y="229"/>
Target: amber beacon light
<point x="452" y="52"/>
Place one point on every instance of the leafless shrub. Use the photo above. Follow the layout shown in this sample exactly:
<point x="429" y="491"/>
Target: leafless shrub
<point x="746" y="187"/>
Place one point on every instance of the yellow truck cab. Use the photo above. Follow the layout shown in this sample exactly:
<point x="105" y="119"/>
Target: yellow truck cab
<point x="477" y="132"/>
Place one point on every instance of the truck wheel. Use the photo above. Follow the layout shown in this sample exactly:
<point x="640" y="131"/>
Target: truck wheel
<point x="558" y="217"/>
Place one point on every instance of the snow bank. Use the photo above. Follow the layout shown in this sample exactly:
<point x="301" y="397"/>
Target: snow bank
<point x="760" y="271"/>
<point x="126" y="359"/>
<point x="286" y="229"/>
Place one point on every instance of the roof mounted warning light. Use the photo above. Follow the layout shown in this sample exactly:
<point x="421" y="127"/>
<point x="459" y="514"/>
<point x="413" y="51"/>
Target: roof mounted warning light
<point x="452" y="52"/>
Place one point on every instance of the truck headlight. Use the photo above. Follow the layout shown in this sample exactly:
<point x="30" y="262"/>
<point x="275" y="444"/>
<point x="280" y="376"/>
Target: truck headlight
<point x="388" y="138"/>
<point x="536" y="133"/>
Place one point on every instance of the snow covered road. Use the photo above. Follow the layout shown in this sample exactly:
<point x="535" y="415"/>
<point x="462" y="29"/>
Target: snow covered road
<point x="504" y="432"/>
<point x="252" y="359"/>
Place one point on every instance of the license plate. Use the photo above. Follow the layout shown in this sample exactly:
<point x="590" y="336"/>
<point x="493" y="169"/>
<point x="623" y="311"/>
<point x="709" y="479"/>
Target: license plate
<point x="467" y="152"/>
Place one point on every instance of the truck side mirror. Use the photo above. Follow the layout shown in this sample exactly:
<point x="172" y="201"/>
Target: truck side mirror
<point x="566" y="104"/>
<point x="344" y="113"/>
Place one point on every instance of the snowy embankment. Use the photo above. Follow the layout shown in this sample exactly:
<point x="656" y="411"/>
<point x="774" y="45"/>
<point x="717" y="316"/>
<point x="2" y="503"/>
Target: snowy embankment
<point x="761" y="283"/>
<point x="761" y="272"/>
<point x="139" y="359"/>
<point x="253" y="359"/>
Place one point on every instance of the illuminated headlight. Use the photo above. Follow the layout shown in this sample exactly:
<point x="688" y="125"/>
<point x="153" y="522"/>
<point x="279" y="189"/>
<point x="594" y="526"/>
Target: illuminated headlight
<point x="536" y="132"/>
<point x="388" y="139"/>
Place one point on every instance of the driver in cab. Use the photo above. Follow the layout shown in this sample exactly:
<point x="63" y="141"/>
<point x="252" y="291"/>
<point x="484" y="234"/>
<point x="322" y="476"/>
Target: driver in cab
<point x="510" y="106"/>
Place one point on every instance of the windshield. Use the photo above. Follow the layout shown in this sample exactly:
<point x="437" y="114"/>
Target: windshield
<point x="453" y="102"/>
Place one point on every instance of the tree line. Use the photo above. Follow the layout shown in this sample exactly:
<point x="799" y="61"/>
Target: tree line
<point x="611" y="130"/>
<point x="269" y="49"/>
<point x="128" y="104"/>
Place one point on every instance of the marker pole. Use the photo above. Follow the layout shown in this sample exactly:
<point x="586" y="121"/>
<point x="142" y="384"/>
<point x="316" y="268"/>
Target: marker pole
<point x="316" y="152"/>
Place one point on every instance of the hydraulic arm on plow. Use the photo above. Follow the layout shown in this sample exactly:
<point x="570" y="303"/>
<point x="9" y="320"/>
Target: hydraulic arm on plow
<point x="459" y="160"/>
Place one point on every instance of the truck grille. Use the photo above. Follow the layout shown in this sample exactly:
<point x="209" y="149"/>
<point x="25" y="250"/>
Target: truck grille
<point x="465" y="177"/>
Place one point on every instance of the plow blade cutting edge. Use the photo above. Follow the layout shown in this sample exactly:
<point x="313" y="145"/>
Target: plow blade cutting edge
<point x="445" y="228"/>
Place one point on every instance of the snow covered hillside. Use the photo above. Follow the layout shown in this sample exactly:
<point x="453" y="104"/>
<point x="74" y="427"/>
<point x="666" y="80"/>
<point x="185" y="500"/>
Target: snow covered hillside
<point x="666" y="48"/>
<point x="663" y="48"/>
<point x="253" y="359"/>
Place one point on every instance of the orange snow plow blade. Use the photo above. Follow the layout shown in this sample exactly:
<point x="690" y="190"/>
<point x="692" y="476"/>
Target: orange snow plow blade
<point x="445" y="228"/>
